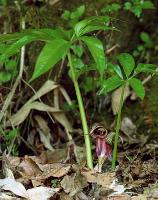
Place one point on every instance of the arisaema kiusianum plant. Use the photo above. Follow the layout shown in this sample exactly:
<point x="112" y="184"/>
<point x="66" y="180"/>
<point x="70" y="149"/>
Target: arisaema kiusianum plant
<point x="125" y="73"/>
<point x="58" y="45"/>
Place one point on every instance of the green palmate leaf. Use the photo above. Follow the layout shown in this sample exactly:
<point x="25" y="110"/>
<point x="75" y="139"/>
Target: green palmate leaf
<point x="66" y="15"/>
<point x="128" y="6"/>
<point x="92" y="27"/>
<point x="145" y="38"/>
<point x="111" y="84"/>
<point x="95" y="46"/>
<point x="127" y="62"/>
<point x="10" y="65"/>
<point x="29" y="36"/>
<point x="85" y="69"/>
<point x="15" y="47"/>
<point x="16" y="36"/>
<point x="5" y="76"/>
<point x="111" y="8"/>
<point x="11" y="37"/>
<point x="148" y="68"/>
<point x="147" y="5"/>
<point x="138" y="87"/>
<point x="78" y="12"/>
<point x="52" y="52"/>
<point x="78" y="63"/>
<point x="82" y="24"/>
<point x="78" y="50"/>
<point x="114" y="68"/>
<point x="50" y="34"/>
<point x="43" y="34"/>
<point x="118" y="71"/>
<point x="137" y="10"/>
<point x="88" y="84"/>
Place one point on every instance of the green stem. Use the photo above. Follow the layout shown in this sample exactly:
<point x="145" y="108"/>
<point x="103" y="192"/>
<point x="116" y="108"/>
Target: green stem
<point x="83" y="115"/>
<point x="117" y="129"/>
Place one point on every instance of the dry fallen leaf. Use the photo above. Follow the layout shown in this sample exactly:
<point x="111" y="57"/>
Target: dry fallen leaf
<point x="73" y="184"/>
<point x="152" y="191"/>
<point x="4" y="196"/>
<point x="32" y="168"/>
<point x="29" y="167"/>
<point x="40" y="193"/>
<point x="44" y="132"/>
<point x="58" y="156"/>
<point x="45" y="88"/>
<point x="139" y="197"/>
<point x="65" y="95"/>
<point x="24" y="111"/>
<point x="117" y="188"/>
<point x="65" y="196"/>
<point x="13" y="186"/>
<point x="117" y="197"/>
<point x="103" y="179"/>
<point x="127" y="126"/>
<point x="56" y="170"/>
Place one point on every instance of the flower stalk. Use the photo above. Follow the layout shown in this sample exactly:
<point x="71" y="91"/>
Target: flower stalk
<point x="114" y="157"/>
<point x="83" y="115"/>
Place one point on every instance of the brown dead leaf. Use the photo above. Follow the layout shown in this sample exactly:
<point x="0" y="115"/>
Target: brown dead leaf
<point x="22" y="114"/>
<point x="56" y="170"/>
<point x="65" y="95"/>
<point x="31" y="104"/>
<point x="81" y="196"/>
<point x="37" y="183"/>
<point x="29" y="167"/>
<point x="44" y="132"/>
<point x="65" y="196"/>
<point x="35" y="170"/>
<point x="45" y="88"/>
<point x="14" y="161"/>
<point x="152" y="191"/>
<point x="57" y="156"/>
<point x="139" y="197"/>
<point x="80" y="154"/>
<point x="127" y="126"/>
<point x="117" y="197"/>
<point x="7" y="168"/>
<point x="73" y="184"/>
<point x="103" y="179"/>
<point x="42" y="124"/>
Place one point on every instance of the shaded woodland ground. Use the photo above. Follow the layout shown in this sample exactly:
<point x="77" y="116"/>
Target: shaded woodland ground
<point x="41" y="137"/>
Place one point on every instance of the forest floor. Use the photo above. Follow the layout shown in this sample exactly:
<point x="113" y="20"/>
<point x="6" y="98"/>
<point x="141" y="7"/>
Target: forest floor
<point x="55" y="174"/>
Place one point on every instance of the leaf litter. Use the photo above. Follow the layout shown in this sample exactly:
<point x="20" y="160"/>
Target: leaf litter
<point x="59" y="172"/>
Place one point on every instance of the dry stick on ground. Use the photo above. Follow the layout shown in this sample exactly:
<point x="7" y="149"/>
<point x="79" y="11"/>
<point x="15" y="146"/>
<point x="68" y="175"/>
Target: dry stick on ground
<point x="12" y="92"/>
